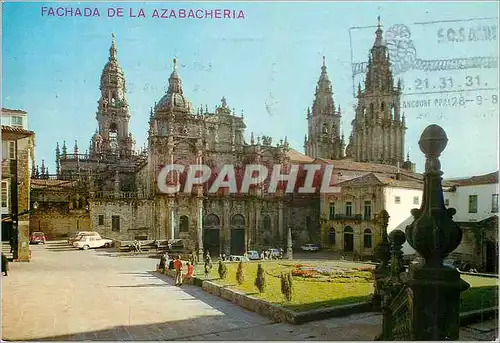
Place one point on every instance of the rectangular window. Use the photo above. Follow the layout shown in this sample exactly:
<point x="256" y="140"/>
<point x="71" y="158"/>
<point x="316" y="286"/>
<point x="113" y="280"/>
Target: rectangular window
<point x="348" y="209"/>
<point x="416" y="200"/>
<point x="494" y="203"/>
<point x="115" y="223"/>
<point x="368" y="210"/>
<point x="8" y="150"/>
<point x="472" y="203"/>
<point x="17" y="121"/>
<point x="101" y="219"/>
<point x="397" y="200"/>
<point x="332" y="210"/>
<point x="446" y="202"/>
<point x="5" y="194"/>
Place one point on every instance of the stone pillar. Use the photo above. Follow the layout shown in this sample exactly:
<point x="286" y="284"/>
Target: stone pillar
<point x="280" y="219"/>
<point x="289" y="250"/>
<point x="172" y="218"/>
<point x="433" y="234"/>
<point x="227" y="228"/>
<point x="199" y="230"/>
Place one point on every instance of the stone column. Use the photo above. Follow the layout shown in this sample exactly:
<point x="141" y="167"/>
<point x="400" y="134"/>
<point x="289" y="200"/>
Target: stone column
<point x="289" y="250"/>
<point x="280" y="219"/>
<point x="433" y="234"/>
<point x="199" y="230"/>
<point x="227" y="228"/>
<point x="172" y="218"/>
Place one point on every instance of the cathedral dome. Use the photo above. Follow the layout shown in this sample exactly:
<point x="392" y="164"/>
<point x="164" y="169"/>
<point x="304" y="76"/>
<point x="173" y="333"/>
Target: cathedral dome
<point x="174" y="99"/>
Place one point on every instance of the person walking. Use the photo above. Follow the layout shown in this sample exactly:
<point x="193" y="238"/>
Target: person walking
<point x="190" y="272"/>
<point x="178" y="270"/>
<point x="208" y="266"/>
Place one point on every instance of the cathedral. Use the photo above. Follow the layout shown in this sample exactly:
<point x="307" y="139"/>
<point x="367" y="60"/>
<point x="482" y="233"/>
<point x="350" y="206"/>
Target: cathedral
<point x="112" y="187"/>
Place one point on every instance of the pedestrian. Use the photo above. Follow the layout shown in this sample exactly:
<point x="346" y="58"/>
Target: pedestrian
<point x="178" y="270"/>
<point x="5" y="264"/>
<point x="12" y="243"/>
<point x="208" y="266"/>
<point x="163" y="262"/>
<point x="190" y="272"/>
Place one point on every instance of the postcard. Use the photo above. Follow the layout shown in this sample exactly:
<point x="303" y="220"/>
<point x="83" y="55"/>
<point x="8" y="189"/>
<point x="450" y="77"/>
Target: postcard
<point x="242" y="170"/>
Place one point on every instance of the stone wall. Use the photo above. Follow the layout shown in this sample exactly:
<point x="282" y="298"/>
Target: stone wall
<point x="58" y="224"/>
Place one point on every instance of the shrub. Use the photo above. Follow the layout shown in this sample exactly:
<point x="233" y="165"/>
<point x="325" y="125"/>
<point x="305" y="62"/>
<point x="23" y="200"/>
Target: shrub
<point x="240" y="277"/>
<point x="222" y="270"/>
<point x="286" y="286"/>
<point x="260" y="281"/>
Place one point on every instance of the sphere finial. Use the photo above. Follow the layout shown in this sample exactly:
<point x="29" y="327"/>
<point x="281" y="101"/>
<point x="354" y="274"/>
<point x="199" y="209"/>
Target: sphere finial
<point x="433" y="140"/>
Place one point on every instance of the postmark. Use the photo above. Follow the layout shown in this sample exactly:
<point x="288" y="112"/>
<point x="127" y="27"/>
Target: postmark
<point x="441" y="64"/>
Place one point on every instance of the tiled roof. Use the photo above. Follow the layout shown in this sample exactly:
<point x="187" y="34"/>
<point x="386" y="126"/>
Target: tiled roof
<point x="14" y="111"/>
<point x="44" y="183"/>
<point x="296" y="156"/>
<point x="380" y="180"/>
<point x="486" y="179"/>
<point x="17" y="130"/>
<point x="348" y="164"/>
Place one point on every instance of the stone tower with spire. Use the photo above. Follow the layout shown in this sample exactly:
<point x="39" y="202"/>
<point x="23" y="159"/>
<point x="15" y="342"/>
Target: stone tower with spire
<point x="324" y="139"/>
<point x="112" y="135"/>
<point x="378" y="129"/>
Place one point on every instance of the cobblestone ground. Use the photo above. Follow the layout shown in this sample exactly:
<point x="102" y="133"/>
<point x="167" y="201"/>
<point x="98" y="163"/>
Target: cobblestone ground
<point x="66" y="294"/>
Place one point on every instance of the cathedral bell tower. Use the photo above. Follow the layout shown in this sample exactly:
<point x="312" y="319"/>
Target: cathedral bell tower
<point x="323" y="139"/>
<point x="112" y="136"/>
<point x="378" y="130"/>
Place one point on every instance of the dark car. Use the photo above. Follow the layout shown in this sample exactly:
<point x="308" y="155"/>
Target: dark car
<point x="37" y="237"/>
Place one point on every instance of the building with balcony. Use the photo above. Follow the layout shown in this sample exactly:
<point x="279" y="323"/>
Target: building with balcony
<point x="17" y="153"/>
<point x="476" y="201"/>
<point x="349" y="218"/>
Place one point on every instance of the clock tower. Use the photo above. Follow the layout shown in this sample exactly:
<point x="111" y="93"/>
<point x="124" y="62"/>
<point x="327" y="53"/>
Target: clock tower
<point x="378" y="129"/>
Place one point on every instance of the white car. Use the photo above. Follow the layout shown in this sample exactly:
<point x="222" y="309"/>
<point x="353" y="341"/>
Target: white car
<point x="310" y="247"/>
<point x="77" y="236"/>
<point x="86" y="242"/>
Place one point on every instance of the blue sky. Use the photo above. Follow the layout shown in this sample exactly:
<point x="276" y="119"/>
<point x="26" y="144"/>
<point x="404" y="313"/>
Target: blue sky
<point x="266" y="64"/>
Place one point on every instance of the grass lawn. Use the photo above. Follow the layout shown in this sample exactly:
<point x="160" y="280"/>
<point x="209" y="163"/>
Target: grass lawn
<point x="307" y="295"/>
<point x="483" y="293"/>
<point x="311" y="294"/>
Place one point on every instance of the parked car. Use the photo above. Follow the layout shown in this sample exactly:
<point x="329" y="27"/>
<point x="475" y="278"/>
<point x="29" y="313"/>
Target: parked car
<point x="275" y="253"/>
<point x="77" y="236"/>
<point x="310" y="247"/>
<point x="253" y="255"/>
<point x="37" y="237"/>
<point x="237" y="258"/>
<point x="95" y="241"/>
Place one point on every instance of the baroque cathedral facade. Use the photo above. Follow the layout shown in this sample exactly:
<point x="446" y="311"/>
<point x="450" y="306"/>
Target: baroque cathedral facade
<point x="112" y="187"/>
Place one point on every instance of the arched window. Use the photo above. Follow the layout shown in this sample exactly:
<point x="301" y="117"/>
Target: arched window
<point x="211" y="221"/>
<point x="367" y="238"/>
<point x="238" y="220"/>
<point x="348" y="229"/>
<point x="184" y="224"/>
<point x="325" y="128"/>
<point x="113" y="127"/>
<point x="331" y="236"/>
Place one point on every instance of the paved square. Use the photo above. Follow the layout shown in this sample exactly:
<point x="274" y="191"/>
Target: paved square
<point x="66" y="294"/>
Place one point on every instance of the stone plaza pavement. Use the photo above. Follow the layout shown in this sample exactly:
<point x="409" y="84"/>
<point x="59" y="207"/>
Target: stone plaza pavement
<point x="66" y="294"/>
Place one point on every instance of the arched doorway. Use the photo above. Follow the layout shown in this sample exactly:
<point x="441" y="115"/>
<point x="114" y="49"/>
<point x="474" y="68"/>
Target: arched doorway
<point x="211" y="234"/>
<point x="348" y="239"/>
<point x="237" y="235"/>
<point x="367" y="239"/>
<point x="331" y="236"/>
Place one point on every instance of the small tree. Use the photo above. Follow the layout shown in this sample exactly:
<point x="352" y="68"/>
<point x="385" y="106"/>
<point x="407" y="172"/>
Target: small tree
<point x="290" y="282"/>
<point x="260" y="281"/>
<point x="222" y="270"/>
<point x="286" y="286"/>
<point x="240" y="276"/>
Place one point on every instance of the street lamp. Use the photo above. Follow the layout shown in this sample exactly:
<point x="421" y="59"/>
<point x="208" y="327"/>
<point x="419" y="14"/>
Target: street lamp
<point x="35" y="205"/>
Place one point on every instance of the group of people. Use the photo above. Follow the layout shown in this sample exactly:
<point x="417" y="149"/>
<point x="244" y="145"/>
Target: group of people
<point x="176" y="264"/>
